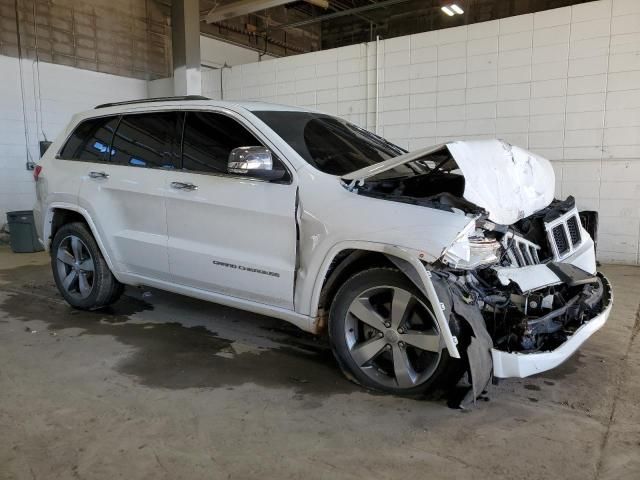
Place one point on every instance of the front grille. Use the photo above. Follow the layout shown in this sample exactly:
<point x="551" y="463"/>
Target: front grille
<point x="560" y="239"/>
<point x="574" y="230"/>
<point x="520" y="252"/>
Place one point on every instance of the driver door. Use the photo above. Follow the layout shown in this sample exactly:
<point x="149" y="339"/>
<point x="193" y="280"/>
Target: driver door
<point x="229" y="234"/>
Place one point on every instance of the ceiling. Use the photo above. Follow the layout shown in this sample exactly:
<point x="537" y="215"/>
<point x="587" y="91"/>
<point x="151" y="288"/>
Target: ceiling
<point x="302" y="26"/>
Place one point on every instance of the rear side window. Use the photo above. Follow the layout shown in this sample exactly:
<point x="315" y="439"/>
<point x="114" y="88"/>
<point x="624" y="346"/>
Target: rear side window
<point x="148" y="140"/>
<point x="208" y="140"/>
<point x="90" y="140"/>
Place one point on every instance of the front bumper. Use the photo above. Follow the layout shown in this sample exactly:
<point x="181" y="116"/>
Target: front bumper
<point x="521" y="365"/>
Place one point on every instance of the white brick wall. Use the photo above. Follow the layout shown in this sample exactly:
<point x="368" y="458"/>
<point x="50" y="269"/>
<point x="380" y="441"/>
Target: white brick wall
<point x="63" y="91"/>
<point x="564" y="83"/>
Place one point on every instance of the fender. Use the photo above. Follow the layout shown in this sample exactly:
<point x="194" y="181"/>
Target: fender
<point x="48" y="220"/>
<point x="408" y="262"/>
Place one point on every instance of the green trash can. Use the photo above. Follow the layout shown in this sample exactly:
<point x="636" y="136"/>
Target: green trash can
<point x="22" y="232"/>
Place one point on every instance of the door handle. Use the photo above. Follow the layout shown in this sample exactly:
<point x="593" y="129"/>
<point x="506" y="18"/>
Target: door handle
<point x="98" y="175"/>
<point x="183" y="186"/>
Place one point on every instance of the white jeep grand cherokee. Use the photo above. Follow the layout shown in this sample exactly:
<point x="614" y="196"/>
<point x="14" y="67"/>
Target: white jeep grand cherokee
<point x="456" y="255"/>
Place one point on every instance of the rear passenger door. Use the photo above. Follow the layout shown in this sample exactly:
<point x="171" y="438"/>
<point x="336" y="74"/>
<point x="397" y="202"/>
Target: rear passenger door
<point x="230" y="234"/>
<point x="123" y="190"/>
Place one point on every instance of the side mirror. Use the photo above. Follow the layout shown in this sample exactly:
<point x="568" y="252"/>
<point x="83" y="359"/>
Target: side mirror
<point x="253" y="162"/>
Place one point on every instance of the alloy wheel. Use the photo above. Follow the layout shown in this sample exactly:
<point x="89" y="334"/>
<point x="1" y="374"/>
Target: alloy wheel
<point x="393" y="337"/>
<point x="76" y="268"/>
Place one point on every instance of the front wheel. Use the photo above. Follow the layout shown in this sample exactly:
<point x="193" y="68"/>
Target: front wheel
<point x="384" y="334"/>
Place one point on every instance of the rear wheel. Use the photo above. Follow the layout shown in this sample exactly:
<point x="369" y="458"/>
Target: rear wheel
<point x="79" y="269"/>
<point x="384" y="334"/>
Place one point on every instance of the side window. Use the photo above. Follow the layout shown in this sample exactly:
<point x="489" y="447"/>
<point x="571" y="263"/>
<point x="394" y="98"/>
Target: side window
<point x="147" y="140"/>
<point x="90" y="140"/>
<point x="208" y="140"/>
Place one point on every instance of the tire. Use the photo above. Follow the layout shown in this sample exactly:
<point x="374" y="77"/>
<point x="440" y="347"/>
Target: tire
<point x="80" y="271"/>
<point x="377" y="320"/>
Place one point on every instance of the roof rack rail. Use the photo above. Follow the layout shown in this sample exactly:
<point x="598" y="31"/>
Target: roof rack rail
<point x="157" y="99"/>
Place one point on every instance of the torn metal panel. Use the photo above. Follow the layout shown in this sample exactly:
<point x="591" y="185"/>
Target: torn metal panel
<point x="529" y="278"/>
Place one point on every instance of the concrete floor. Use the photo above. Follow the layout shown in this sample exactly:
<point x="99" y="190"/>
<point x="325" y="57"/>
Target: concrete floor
<point x="162" y="386"/>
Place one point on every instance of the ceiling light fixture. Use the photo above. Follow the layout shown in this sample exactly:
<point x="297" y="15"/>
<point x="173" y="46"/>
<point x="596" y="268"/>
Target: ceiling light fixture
<point x="448" y="11"/>
<point x="457" y="9"/>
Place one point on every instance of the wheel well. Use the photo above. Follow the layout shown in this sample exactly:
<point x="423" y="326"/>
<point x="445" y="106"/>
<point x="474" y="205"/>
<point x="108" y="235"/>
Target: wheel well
<point x="345" y="264"/>
<point x="62" y="217"/>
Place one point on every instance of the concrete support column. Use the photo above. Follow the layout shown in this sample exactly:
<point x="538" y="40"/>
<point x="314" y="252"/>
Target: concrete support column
<point x="185" y="24"/>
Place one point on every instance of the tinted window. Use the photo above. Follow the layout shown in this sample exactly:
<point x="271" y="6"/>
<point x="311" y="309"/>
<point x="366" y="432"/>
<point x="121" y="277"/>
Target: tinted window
<point x="330" y="144"/>
<point x="208" y="140"/>
<point x="90" y="140"/>
<point x="147" y="140"/>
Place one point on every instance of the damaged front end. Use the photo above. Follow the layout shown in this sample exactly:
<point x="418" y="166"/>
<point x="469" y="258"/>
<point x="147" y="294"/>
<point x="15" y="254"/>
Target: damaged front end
<point x="522" y="274"/>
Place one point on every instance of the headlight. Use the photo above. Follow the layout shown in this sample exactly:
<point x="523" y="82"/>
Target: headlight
<point x="471" y="250"/>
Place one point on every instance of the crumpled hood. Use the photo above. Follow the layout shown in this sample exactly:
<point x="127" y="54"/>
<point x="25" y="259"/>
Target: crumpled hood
<point x="509" y="182"/>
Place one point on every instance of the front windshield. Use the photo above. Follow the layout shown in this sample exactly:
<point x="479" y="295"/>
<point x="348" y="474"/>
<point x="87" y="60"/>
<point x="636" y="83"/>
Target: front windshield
<point x="330" y="144"/>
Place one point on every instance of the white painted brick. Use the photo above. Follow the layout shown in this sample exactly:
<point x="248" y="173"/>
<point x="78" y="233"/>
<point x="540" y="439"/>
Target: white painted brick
<point x="424" y="55"/>
<point x="590" y="29"/>
<point x="351" y="94"/>
<point x="512" y="124"/>
<point x="482" y="94"/>
<point x="422" y="130"/>
<point x="423" y="85"/>
<point x="483" y="46"/>
<point x="622" y="136"/>
<point x="514" y="75"/>
<point x="543" y="123"/>
<point x="423" y="115"/>
<point x="397" y="44"/>
<point x="549" y="71"/>
<point x="394" y="88"/>
<point x="452" y="97"/>
<point x="621" y="190"/>
<point x="590" y="47"/>
<point x="623" y="81"/>
<point x="627" y="43"/>
<point x="588" y="120"/>
<point x="450" y="128"/>
<point x="518" y="91"/>
<point x="623" y="118"/>
<point x="545" y="139"/>
<point x="550" y="154"/>
<point x="481" y="110"/>
<point x="549" y="88"/>
<point x="398" y="102"/>
<point x="423" y="100"/>
<point x="582" y="171"/>
<point x="551" y="35"/>
<point x="547" y="105"/>
<point x="588" y="84"/>
<point x="351" y="65"/>
<point x="582" y="153"/>
<point x="515" y="41"/>
<point x="395" y="74"/>
<point x="452" y="82"/>
<point x="307" y="85"/>
<point x="591" y="11"/>
<point x="550" y="53"/>
<point x="621" y="152"/>
<point x="618" y="243"/>
<point x="515" y="58"/>
<point x="451" y="113"/>
<point x="583" y="138"/>
<point x="480" y="127"/>
<point x="625" y="24"/>
<point x="552" y="18"/>
<point x="624" y="62"/>
<point x="513" y="108"/>
<point x="416" y="143"/>
<point x="482" y="78"/>
<point x="519" y="23"/>
<point x="395" y="132"/>
<point x="625" y="7"/>
<point x="395" y="117"/>
<point x="452" y="35"/>
<point x="327" y="96"/>
<point x="519" y="139"/>
<point x="483" y="29"/>
<point x="425" y="39"/>
<point x="579" y="67"/>
<point x="580" y="190"/>
<point x="616" y="257"/>
<point x="482" y="62"/>
<point x="623" y="100"/>
<point x="590" y="102"/>
<point x="422" y="70"/>
<point x="452" y="50"/>
<point x="616" y="225"/>
<point x="397" y="58"/>
<point x="351" y="51"/>
<point x="613" y="171"/>
<point x="454" y="65"/>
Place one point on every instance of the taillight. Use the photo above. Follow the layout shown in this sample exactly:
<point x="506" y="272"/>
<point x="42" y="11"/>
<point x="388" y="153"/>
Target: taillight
<point x="36" y="172"/>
